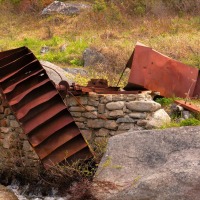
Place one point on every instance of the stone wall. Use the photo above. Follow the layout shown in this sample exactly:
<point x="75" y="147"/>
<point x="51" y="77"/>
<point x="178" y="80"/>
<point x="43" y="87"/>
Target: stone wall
<point x="97" y="116"/>
<point x="15" y="150"/>
<point x="100" y="116"/>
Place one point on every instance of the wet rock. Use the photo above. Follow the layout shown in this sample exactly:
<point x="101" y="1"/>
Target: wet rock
<point x="93" y="58"/>
<point x="65" y="8"/>
<point x="6" y="194"/>
<point x="151" y="164"/>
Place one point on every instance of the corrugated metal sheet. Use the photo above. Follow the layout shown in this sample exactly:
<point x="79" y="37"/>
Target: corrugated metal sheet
<point x="39" y="109"/>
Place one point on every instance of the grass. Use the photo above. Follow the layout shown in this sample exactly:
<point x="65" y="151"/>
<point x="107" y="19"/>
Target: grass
<point x="113" y="35"/>
<point x="107" y="29"/>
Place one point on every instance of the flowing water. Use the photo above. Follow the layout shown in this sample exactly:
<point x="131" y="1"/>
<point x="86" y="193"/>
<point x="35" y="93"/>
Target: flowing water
<point x="23" y="194"/>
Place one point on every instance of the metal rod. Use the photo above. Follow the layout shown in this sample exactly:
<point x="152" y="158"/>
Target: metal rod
<point x="121" y="76"/>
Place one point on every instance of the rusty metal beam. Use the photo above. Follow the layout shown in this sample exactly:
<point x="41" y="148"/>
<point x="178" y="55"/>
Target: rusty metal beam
<point x="157" y="72"/>
<point x="189" y="106"/>
<point x="39" y="109"/>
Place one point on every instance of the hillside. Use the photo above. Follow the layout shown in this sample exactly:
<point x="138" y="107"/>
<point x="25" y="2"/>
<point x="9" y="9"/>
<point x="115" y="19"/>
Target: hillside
<point x="112" y="28"/>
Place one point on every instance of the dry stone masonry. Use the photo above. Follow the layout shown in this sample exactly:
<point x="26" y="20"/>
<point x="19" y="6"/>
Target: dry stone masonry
<point x="15" y="150"/>
<point x="100" y="116"/>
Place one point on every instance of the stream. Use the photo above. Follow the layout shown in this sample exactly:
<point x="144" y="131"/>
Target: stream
<point x="23" y="194"/>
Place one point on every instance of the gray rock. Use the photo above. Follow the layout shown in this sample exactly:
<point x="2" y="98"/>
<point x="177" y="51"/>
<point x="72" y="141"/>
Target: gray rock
<point x="65" y="8"/>
<point x="90" y="115"/>
<point x="115" y="105"/>
<point x="80" y="119"/>
<point x="138" y="115"/>
<point x="102" y="132"/>
<point x="6" y="194"/>
<point x="186" y="114"/>
<point x="158" y="119"/>
<point x="76" y="114"/>
<point x="75" y="71"/>
<point x="125" y="120"/>
<point x="63" y="47"/>
<point x="90" y="108"/>
<point x="74" y="102"/>
<point x="96" y="123"/>
<point x="151" y="165"/>
<point x="143" y="106"/>
<point x="14" y="124"/>
<point x="76" y="109"/>
<point x="101" y="108"/>
<point x="93" y="58"/>
<point x="44" y="49"/>
<point x="87" y="134"/>
<point x="116" y="113"/>
<point x="111" y="124"/>
<point x="126" y="126"/>
<point x="5" y="129"/>
<point x="81" y="125"/>
<point x="57" y="76"/>
<point x="107" y="98"/>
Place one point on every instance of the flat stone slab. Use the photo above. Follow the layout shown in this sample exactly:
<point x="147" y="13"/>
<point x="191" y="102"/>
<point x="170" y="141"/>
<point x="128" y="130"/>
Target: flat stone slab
<point x="151" y="165"/>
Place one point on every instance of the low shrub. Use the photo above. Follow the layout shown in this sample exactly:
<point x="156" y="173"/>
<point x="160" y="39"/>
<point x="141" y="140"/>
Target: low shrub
<point x="190" y="122"/>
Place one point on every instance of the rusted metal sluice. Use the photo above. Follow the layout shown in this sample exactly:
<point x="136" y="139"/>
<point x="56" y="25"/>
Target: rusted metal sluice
<point x="39" y="109"/>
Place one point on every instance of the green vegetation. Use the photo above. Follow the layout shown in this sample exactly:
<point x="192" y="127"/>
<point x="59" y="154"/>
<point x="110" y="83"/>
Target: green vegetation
<point x="190" y="122"/>
<point x="109" y="26"/>
<point x="165" y="101"/>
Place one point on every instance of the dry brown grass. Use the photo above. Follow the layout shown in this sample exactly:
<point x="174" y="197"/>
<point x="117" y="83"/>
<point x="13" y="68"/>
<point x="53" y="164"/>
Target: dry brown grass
<point x="110" y="31"/>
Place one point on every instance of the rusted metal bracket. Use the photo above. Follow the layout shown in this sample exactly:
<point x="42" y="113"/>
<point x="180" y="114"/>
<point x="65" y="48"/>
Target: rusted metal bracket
<point x="39" y="108"/>
<point x="189" y="106"/>
<point x="154" y="71"/>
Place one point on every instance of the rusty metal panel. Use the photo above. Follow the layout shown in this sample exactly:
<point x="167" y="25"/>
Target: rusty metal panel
<point x="188" y="106"/>
<point x="196" y="93"/>
<point x="39" y="108"/>
<point x="155" y="71"/>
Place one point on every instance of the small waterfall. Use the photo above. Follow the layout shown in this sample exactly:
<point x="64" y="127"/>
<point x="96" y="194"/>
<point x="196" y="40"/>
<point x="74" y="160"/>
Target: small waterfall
<point x="22" y="192"/>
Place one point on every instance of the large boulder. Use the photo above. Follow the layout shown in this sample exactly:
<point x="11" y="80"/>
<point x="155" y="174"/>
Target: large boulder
<point x="151" y="165"/>
<point x="158" y="119"/>
<point x="65" y="8"/>
<point x="6" y="194"/>
<point x="57" y="74"/>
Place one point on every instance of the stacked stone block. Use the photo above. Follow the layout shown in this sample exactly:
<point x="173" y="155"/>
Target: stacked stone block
<point x="15" y="149"/>
<point x="100" y="116"/>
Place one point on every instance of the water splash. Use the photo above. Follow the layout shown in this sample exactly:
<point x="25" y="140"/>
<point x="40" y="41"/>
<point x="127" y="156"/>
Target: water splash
<point x="21" y="193"/>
